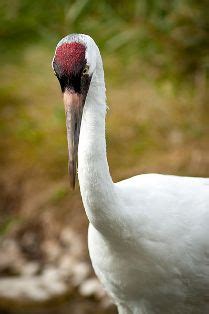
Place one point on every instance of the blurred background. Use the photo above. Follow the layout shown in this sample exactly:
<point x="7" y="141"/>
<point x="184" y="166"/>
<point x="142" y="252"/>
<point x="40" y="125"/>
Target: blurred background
<point x="156" y="60"/>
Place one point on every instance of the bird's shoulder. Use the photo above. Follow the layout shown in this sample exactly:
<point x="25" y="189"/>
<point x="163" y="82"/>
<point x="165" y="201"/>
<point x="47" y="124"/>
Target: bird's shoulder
<point x="172" y="204"/>
<point x="164" y="193"/>
<point x="157" y="181"/>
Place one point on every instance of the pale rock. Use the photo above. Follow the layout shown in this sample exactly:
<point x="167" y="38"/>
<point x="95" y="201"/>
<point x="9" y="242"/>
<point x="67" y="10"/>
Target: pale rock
<point x="67" y="263"/>
<point x="80" y="272"/>
<point x="91" y="287"/>
<point x="52" y="249"/>
<point x="30" y="269"/>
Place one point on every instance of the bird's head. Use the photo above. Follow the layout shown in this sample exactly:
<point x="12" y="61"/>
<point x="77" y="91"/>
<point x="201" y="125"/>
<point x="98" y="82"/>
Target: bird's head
<point x="74" y="63"/>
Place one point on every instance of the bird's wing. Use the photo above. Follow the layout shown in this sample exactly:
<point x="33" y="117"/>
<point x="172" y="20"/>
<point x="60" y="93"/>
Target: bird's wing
<point x="164" y="206"/>
<point x="154" y="187"/>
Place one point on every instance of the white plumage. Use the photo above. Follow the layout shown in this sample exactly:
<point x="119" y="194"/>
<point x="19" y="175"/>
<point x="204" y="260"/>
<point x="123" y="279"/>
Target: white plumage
<point x="148" y="235"/>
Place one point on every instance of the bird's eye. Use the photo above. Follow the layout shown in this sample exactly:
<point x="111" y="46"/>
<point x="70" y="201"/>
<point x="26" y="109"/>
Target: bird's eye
<point x="86" y="70"/>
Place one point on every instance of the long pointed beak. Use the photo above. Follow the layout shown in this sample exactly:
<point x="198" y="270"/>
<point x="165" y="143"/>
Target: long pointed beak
<point x="73" y="109"/>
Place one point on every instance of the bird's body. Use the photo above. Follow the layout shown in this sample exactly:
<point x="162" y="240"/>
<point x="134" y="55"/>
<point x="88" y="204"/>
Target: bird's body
<point x="148" y="235"/>
<point x="158" y="261"/>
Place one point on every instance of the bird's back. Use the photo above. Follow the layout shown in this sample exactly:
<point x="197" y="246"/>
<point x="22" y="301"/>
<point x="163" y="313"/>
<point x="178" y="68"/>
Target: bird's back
<point x="160" y="259"/>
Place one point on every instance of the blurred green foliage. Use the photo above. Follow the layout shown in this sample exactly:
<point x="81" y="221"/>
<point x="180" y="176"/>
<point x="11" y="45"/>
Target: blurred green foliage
<point x="172" y="36"/>
<point x="148" y="48"/>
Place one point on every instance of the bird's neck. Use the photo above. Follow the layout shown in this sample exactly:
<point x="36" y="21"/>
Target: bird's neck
<point x="97" y="189"/>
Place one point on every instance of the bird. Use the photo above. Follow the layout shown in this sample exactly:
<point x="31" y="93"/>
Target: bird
<point x="148" y="235"/>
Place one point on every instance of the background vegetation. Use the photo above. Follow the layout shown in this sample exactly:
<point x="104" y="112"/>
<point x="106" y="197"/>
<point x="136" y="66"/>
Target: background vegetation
<point x="156" y="59"/>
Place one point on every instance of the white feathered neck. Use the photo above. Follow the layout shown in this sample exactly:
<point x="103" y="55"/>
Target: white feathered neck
<point x="97" y="189"/>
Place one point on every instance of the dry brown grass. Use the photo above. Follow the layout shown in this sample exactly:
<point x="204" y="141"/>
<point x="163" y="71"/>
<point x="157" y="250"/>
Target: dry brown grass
<point x="150" y="128"/>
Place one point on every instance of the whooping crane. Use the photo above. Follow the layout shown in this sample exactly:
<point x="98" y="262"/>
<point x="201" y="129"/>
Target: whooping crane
<point x="148" y="235"/>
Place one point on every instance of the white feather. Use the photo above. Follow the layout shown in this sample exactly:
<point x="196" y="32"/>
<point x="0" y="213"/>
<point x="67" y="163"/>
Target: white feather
<point x="148" y="235"/>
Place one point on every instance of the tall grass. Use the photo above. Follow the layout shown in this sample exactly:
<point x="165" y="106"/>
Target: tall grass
<point x="173" y="36"/>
